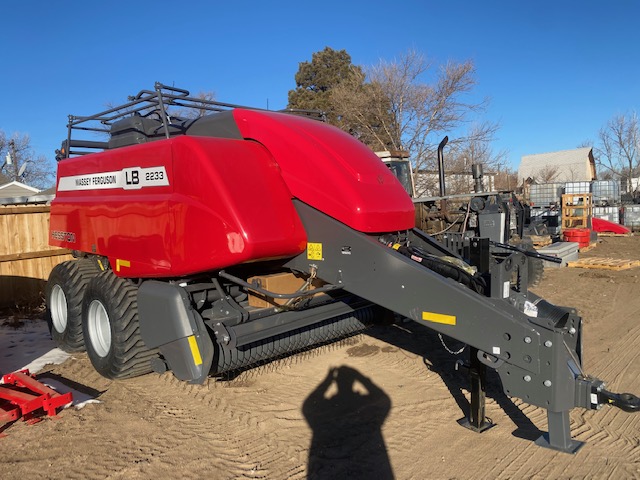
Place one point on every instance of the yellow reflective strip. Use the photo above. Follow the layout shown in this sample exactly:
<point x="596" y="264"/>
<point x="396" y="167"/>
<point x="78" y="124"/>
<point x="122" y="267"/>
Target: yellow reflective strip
<point x="195" y="351"/>
<point x="396" y="246"/>
<point x="439" y="318"/>
<point x="122" y="263"/>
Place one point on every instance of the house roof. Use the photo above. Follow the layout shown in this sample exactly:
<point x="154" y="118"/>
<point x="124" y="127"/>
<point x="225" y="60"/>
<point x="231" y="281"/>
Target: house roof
<point x="13" y="190"/>
<point x="49" y="191"/>
<point x="571" y="165"/>
<point x="14" y="184"/>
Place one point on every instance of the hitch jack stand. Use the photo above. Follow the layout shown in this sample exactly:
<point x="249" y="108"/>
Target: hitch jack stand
<point x="476" y="420"/>
<point x="559" y="436"/>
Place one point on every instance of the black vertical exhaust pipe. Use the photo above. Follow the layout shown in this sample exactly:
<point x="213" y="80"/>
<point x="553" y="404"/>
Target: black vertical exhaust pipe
<point x="476" y="171"/>
<point x="443" y="189"/>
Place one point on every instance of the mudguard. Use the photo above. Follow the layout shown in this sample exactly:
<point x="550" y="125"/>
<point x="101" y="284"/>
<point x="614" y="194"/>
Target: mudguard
<point x="168" y="322"/>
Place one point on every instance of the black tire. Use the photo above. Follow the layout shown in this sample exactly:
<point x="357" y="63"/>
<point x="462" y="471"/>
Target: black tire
<point x="111" y="328"/>
<point x="536" y="271"/>
<point x="63" y="297"/>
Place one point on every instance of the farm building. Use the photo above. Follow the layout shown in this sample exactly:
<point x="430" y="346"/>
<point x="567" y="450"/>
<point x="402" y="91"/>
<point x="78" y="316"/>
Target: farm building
<point x="575" y="165"/>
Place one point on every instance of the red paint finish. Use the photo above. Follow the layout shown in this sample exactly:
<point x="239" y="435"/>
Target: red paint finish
<point x="28" y="395"/>
<point x="331" y="171"/>
<point x="221" y="202"/>
<point x="226" y="203"/>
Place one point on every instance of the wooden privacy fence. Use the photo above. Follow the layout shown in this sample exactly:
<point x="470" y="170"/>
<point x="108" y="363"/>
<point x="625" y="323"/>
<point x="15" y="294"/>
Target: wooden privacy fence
<point x="26" y="259"/>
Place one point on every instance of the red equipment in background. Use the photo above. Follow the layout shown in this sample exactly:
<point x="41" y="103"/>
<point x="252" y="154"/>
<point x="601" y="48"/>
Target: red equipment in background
<point x="21" y="396"/>
<point x="601" y="225"/>
<point x="580" y="235"/>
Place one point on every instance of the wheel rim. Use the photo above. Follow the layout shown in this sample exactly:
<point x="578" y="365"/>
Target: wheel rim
<point x="58" y="306"/>
<point x="99" y="328"/>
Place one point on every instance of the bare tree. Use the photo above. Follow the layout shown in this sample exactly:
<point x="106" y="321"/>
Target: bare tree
<point x="20" y="163"/>
<point x="546" y="174"/>
<point x="399" y="110"/>
<point x="363" y="109"/>
<point x="506" y="178"/>
<point x="474" y="148"/>
<point x="201" y="107"/>
<point x="618" y="151"/>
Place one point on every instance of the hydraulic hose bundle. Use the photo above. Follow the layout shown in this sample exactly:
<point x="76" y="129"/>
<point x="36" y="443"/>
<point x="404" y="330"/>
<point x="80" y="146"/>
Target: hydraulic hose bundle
<point x="449" y="267"/>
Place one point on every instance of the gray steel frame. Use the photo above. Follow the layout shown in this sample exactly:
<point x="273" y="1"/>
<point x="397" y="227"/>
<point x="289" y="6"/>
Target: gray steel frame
<point x="537" y="358"/>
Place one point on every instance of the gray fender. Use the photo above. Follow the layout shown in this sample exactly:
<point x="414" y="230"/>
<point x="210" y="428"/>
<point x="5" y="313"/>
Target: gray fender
<point x="168" y="322"/>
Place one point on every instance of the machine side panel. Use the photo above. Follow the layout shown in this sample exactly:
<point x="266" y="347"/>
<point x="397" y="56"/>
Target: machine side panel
<point x="176" y="207"/>
<point x="331" y="171"/>
<point x="103" y="206"/>
<point x="231" y="206"/>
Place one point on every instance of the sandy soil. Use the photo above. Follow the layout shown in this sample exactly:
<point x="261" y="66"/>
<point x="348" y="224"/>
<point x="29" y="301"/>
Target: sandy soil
<point x="394" y="399"/>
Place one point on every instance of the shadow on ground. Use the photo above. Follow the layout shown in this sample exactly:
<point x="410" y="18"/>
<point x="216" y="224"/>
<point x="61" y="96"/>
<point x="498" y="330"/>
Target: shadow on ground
<point x="346" y="412"/>
<point x="424" y="342"/>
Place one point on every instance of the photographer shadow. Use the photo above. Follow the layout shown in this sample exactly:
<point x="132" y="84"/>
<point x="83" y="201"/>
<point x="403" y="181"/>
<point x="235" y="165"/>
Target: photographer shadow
<point x="422" y="341"/>
<point x="346" y="412"/>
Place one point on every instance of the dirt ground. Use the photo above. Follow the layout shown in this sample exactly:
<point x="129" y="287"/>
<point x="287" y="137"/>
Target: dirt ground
<point x="380" y="405"/>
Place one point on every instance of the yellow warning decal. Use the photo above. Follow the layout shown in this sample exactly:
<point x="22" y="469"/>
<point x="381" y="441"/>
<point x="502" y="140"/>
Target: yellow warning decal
<point x="439" y="318"/>
<point x="314" y="251"/>
<point x="195" y="351"/>
<point x="122" y="263"/>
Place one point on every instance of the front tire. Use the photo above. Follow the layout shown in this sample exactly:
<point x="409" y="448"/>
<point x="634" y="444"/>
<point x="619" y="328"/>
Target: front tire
<point x="63" y="296"/>
<point x="111" y="328"/>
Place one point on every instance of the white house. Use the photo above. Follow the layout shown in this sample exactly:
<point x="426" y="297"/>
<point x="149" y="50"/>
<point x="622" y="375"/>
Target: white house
<point x="17" y="189"/>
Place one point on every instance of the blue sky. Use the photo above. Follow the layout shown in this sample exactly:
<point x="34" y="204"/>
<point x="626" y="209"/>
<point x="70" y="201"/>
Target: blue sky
<point x="555" y="71"/>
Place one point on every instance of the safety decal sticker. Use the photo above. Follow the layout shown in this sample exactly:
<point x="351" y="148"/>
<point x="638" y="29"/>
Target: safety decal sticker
<point x="439" y="318"/>
<point x="314" y="251"/>
<point x="131" y="178"/>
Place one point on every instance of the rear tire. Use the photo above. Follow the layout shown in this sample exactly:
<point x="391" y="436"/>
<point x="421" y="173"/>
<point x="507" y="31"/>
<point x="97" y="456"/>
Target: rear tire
<point x="63" y="296"/>
<point x="111" y="328"/>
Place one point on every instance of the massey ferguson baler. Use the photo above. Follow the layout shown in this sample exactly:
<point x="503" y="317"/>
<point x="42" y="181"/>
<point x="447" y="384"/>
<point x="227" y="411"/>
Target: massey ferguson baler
<point x="210" y="244"/>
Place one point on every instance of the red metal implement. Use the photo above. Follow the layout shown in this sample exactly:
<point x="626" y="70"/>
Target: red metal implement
<point x="21" y="396"/>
